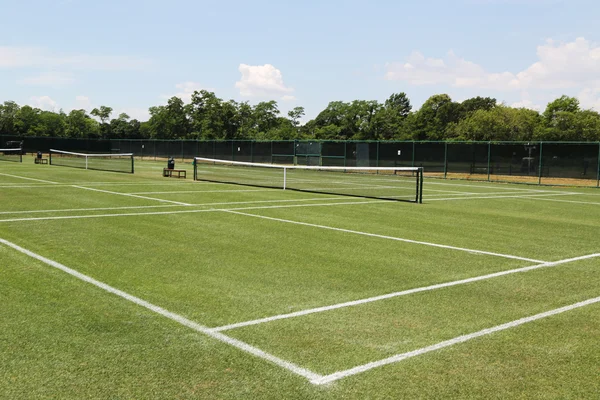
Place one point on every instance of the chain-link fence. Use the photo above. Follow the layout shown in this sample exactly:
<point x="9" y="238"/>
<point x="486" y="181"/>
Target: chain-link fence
<point x="555" y="163"/>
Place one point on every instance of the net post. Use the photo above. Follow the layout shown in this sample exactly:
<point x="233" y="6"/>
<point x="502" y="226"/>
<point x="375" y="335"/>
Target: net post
<point x="540" y="164"/>
<point x="132" y="166"/>
<point x="86" y="162"/>
<point x="418" y="182"/>
<point x="284" y="177"/>
<point x="50" y="156"/>
<point x="421" y="187"/>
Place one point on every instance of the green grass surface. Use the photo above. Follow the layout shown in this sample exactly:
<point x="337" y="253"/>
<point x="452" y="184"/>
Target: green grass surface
<point x="172" y="243"/>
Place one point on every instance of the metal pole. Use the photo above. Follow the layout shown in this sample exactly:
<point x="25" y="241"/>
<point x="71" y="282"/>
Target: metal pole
<point x="413" y="154"/>
<point x="377" y="161"/>
<point x="489" y="160"/>
<point x="540" y="164"/>
<point x="445" y="159"/>
<point x="598" y="178"/>
<point x="284" y="177"/>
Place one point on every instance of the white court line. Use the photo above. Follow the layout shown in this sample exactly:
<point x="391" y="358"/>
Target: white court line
<point x="385" y="237"/>
<point x="398" y="294"/>
<point x="168" y="314"/>
<point x="206" y="191"/>
<point x="166" y="205"/>
<point x="188" y="211"/>
<point x="524" y="196"/>
<point x="447" y="343"/>
<point x="29" y="179"/>
<point x="569" y="201"/>
<point x="132" y="195"/>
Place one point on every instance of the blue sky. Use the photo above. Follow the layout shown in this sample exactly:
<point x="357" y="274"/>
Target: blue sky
<point x="131" y="55"/>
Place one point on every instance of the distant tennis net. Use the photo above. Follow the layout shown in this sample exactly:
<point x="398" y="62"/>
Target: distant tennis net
<point x="101" y="162"/>
<point x="390" y="183"/>
<point x="15" y="155"/>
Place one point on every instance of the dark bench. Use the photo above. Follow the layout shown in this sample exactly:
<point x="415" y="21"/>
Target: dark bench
<point x="181" y="173"/>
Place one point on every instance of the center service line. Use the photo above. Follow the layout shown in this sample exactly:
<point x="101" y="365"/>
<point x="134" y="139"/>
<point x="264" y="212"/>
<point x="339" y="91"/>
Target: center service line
<point x="168" y="314"/>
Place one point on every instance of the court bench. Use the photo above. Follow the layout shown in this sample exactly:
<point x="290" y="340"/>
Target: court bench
<point x="181" y="173"/>
<point x="40" y="160"/>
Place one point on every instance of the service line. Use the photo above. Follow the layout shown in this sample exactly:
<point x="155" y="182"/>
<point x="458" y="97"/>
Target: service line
<point x="398" y="294"/>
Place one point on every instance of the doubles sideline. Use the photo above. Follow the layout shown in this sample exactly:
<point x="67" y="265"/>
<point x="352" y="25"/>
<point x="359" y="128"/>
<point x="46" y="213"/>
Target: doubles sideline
<point x="168" y="314"/>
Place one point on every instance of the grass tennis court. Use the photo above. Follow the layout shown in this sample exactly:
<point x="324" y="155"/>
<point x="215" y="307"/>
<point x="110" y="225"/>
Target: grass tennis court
<point x="138" y="286"/>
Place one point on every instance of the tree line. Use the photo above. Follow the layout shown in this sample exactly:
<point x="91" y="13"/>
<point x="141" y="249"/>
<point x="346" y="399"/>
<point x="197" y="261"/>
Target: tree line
<point x="211" y="118"/>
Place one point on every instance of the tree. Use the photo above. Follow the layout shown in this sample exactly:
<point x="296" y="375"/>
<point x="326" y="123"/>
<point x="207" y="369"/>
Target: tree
<point x="103" y="113"/>
<point x="295" y="115"/>
<point x="8" y="114"/>
<point x="478" y="103"/>
<point x="434" y="116"/>
<point x="79" y="124"/>
<point x="562" y="104"/>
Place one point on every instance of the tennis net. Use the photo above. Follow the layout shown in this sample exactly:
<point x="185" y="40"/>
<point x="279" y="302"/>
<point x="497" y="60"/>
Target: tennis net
<point x="390" y="183"/>
<point x="101" y="162"/>
<point x="15" y="155"/>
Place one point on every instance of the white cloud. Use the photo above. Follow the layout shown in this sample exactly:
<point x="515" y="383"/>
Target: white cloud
<point x="48" y="79"/>
<point x="262" y="81"/>
<point x="287" y="97"/>
<point x="141" y="114"/>
<point x="560" y="66"/>
<point x="527" y="104"/>
<point x="590" y="98"/>
<point x="20" y="57"/>
<point x="83" y="103"/>
<point x="185" y="91"/>
<point x="44" y="102"/>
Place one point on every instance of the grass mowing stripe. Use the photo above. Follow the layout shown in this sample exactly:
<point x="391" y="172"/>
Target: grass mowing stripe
<point x="29" y="179"/>
<point x="167" y="205"/>
<point x="188" y="211"/>
<point x="168" y="314"/>
<point x="402" y="293"/>
<point x="131" y="195"/>
<point x="504" y="197"/>
<point x="447" y="343"/>
<point x="387" y="237"/>
<point x="570" y="201"/>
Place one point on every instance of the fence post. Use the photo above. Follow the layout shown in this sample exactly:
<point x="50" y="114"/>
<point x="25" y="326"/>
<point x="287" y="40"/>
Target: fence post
<point x="413" y="155"/>
<point x="182" y="151"/>
<point x="598" y="178"/>
<point x="445" y="159"/>
<point x="271" y="152"/>
<point x="489" y="159"/>
<point x="540" y="166"/>
<point x="377" y="161"/>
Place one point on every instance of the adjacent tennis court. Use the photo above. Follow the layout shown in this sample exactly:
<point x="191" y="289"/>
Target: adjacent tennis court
<point x="119" y="285"/>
